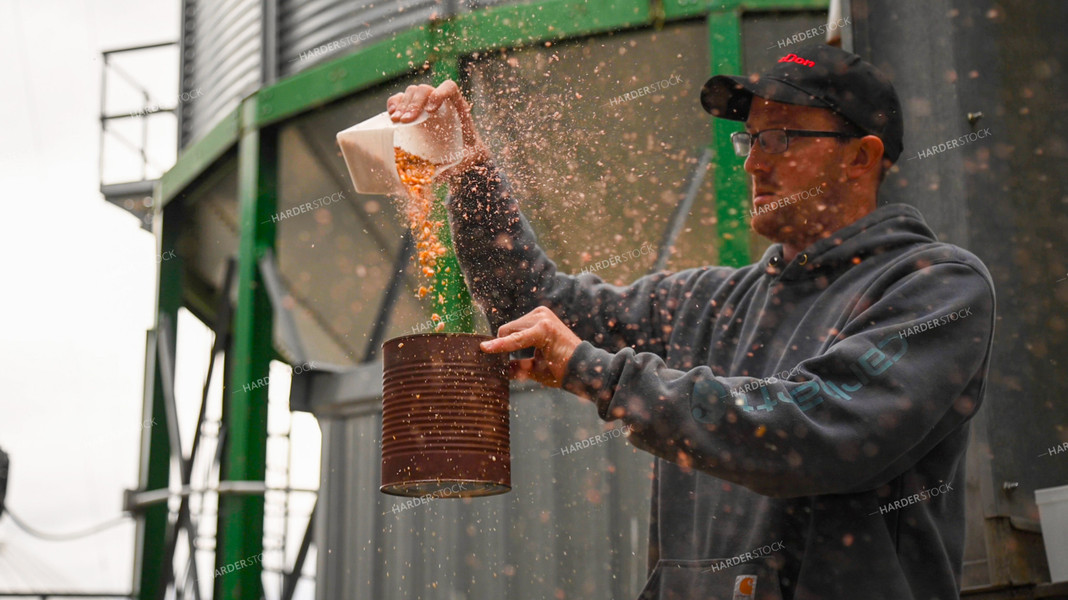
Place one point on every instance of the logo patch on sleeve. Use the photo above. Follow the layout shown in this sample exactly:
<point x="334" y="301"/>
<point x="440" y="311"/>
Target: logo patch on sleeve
<point x="745" y="587"/>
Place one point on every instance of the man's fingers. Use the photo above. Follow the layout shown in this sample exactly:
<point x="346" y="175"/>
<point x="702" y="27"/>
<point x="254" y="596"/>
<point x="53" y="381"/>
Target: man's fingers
<point x="394" y="103"/>
<point x="517" y="340"/>
<point x="407" y="106"/>
<point x="443" y="92"/>
<point x="416" y="96"/>
<point x="521" y="369"/>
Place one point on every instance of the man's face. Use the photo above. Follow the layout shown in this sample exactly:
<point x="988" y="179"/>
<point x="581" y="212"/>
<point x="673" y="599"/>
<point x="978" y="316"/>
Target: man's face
<point x="811" y="168"/>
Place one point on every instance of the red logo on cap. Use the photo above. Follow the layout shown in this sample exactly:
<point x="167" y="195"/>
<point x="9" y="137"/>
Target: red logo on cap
<point x="797" y="59"/>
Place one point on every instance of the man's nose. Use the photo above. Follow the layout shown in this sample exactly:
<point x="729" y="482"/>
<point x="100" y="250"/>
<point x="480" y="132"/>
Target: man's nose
<point x="757" y="161"/>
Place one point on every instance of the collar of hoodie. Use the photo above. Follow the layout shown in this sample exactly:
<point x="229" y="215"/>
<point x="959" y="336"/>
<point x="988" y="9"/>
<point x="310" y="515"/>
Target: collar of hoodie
<point x="884" y="228"/>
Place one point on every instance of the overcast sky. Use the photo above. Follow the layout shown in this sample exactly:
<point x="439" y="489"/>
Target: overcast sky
<point x="78" y="295"/>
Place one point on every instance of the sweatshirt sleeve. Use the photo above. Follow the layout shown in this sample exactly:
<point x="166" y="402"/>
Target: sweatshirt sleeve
<point x="509" y="275"/>
<point x="892" y="385"/>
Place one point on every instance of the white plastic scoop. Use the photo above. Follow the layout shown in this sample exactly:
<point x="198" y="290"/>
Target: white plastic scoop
<point x="371" y="160"/>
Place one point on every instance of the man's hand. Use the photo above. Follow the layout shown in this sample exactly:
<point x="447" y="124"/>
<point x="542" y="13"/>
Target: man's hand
<point x="552" y="341"/>
<point x="407" y="106"/>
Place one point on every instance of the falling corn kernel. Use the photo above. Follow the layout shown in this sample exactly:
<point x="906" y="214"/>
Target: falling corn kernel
<point x="417" y="174"/>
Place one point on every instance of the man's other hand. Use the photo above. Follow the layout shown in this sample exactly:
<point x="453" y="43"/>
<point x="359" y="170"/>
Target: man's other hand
<point x="552" y="341"/>
<point x="406" y="107"/>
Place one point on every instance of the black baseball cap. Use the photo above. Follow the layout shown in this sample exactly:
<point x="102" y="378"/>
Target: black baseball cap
<point x="817" y="75"/>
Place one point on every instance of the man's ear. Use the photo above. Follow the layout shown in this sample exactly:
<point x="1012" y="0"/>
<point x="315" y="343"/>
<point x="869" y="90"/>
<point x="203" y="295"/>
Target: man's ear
<point x="868" y="157"/>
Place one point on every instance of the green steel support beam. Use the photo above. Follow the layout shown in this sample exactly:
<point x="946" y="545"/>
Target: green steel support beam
<point x="239" y="544"/>
<point x="513" y="25"/>
<point x="674" y="9"/>
<point x="155" y="465"/>
<point x="728" y="177"/>
<point x="380" y="62"/>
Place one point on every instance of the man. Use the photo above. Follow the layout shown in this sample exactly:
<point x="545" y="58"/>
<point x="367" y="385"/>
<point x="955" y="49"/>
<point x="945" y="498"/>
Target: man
<point x="809" y="411"/>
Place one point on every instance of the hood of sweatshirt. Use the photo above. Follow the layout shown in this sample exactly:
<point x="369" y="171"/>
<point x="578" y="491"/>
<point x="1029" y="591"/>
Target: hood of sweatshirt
<point x="891" y="226"/>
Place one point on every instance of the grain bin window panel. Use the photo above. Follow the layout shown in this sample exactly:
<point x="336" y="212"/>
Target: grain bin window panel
<point x="598" y="156"/>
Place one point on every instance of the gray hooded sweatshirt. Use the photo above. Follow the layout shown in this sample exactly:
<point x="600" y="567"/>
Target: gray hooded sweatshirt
<point x="810" y="419"/>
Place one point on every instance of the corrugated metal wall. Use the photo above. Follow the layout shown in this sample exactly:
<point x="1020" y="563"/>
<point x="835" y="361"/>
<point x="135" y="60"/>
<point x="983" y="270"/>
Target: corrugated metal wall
<point x="224" y="43"/>
<point x="307" y="25"/>
<point x="221" y="61"/>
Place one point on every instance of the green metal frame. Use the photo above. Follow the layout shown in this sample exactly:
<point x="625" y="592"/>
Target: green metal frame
<point x="251" y="129"/>
<point x="155" y="465"/>
<point x="240" y="521"/>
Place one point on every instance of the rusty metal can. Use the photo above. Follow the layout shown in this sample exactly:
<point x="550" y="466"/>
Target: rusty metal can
<point x="445" y="423"/>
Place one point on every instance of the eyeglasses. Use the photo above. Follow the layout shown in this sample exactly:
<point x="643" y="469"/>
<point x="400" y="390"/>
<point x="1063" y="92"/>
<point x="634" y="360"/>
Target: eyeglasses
<point x="776" y="141"/>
